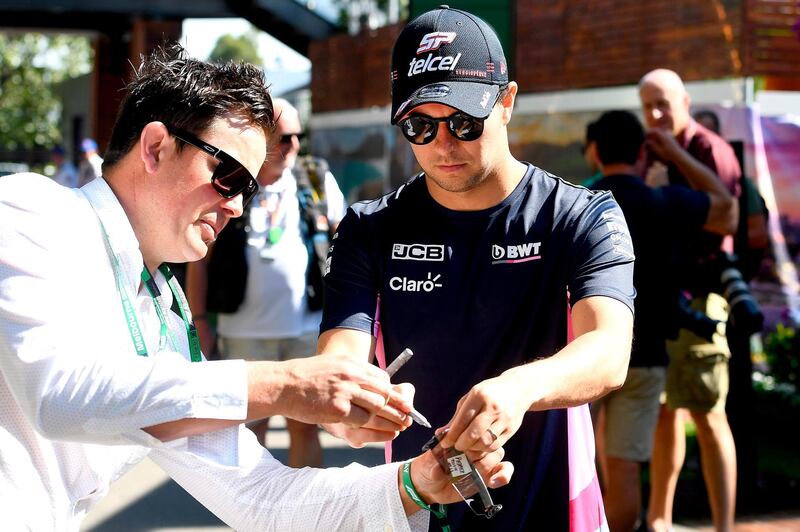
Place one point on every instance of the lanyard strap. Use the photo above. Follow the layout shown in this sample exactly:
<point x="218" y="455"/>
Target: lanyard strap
<point x="183" y="307"/>
<point x="130" y="313"/>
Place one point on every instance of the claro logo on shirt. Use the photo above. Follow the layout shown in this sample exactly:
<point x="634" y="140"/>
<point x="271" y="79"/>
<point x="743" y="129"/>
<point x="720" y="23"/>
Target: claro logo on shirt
<point x="428" y="252"/>
<point x="404" y="284"/>
<point x="516" y="253"/>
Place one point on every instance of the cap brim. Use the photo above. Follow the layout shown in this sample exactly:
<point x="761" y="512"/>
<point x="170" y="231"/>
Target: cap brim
<point x="474" y="99"/>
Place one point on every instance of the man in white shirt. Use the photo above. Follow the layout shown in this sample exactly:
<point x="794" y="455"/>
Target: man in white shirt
<point x="273" y="320"/>
<point x="83" y="291"/>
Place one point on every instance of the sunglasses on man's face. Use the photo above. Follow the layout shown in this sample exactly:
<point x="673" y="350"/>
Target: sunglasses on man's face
<point x="230" y="177"/>
<point x="287" y="138"/>
<point x="422" y="129"/>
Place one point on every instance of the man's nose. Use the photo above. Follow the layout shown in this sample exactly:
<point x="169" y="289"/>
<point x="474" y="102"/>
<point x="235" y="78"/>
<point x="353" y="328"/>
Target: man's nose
<point x="234" y="205"/>
<point x="443" y="136"/>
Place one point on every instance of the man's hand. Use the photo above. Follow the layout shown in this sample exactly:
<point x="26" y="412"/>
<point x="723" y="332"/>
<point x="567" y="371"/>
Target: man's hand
<point x="663" y="144"/>
<point x="338" y="389"/>
<point x="657" y="175"/>
<point x="434" y="485"/>
<point x="488" y="415"/>
<point x="380" y="427"/>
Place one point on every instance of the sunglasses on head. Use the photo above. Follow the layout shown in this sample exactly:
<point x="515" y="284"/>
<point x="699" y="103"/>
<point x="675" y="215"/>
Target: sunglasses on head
<point x="230" y="177"/>
<point x="422" y="129"/>
<point x="287" y="138"/>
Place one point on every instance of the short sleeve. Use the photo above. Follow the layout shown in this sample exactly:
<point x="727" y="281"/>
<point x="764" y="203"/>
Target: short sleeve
<point x="602" y="253"/>
<point x="350" y="282"/>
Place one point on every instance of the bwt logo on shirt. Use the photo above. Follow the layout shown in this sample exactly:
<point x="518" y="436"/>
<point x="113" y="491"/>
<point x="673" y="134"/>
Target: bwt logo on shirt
<point x="431" y="252"/>
<point x="433" y="41"/>
<point x="515" y="253"/>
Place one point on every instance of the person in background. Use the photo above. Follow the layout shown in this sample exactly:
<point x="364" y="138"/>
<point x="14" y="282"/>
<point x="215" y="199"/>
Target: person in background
<point x="753" y="244"/>
<point x="697" y="375"/>
<point x="626" y="428"/>
<point x="91" y="164"/>
<point x="274" y="320"/>
<point x="589" y="152"/>
<point x="66" y="174"/>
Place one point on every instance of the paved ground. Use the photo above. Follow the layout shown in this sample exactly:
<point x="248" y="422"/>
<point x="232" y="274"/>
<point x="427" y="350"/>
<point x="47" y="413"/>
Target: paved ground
<point x="147" y="500"/>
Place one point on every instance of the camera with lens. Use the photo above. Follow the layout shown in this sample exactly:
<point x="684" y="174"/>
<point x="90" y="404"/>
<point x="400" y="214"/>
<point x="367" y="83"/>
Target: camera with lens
<point x="721" y="275"/>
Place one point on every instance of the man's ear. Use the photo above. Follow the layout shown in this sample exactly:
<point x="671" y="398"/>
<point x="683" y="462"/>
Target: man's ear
<point x="153" y="143"/>
<point x="508" y="101"/>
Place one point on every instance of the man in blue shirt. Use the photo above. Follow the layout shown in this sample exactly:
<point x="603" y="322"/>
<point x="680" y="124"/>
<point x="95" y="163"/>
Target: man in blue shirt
<point x="477" y="265"/>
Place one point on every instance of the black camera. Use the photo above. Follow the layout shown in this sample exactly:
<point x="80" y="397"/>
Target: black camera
<point x="721" y="275"/>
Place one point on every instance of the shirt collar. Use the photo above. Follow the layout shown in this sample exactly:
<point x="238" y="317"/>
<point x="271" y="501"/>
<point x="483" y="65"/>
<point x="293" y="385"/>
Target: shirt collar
<point x="121" y="237"/>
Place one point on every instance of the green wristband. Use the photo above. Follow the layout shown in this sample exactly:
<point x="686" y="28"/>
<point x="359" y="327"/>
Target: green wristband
<point x="408" y="485"/>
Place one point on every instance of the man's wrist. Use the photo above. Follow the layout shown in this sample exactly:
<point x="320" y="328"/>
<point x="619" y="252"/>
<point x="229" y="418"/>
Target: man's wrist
<point x="412" y="491"/>
<point x="524" y="379"/>
<point x="265" y="388"/>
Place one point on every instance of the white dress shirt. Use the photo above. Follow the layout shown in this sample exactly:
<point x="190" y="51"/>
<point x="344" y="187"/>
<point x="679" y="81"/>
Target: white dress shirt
<point x="74" y="394"/>
<point x="275" y="302"/>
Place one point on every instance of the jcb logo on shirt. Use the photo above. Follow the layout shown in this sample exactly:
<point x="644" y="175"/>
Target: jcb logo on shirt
<point x="427" y="252"/>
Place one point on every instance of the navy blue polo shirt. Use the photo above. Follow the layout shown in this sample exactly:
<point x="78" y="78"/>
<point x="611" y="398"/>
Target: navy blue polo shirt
<point x="474" y="293"/>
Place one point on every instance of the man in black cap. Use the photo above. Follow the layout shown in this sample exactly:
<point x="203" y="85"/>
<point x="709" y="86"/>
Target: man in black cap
<point x="483" y="265"/>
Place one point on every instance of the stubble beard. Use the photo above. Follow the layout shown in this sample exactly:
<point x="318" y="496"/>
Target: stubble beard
<point x="458" y="185"/>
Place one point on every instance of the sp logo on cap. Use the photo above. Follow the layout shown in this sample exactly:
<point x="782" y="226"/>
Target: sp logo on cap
<point x="432" y="41"/>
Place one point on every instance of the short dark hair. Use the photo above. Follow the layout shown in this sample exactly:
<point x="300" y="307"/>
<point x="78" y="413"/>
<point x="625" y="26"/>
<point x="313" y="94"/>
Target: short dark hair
<point x="619" y="137"/>
<point x="188" y="94"/>
<point x="708" y="114"/>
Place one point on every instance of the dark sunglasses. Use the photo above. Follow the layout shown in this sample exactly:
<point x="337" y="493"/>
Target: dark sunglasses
<point x="422" y="129"/>
<point x="230" y="177"/>
<point x="287" y="138"/>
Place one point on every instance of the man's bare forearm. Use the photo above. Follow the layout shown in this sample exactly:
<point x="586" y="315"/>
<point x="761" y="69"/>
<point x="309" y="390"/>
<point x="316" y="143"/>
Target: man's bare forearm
<point x="587" y="368"/>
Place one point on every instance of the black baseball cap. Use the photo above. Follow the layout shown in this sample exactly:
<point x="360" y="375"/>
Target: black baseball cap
<point x="447" y="56"/>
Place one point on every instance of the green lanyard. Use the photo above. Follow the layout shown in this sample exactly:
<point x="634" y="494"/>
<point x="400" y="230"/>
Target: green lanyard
<point x="130" y="314"/>
<point x="183" y="307"/>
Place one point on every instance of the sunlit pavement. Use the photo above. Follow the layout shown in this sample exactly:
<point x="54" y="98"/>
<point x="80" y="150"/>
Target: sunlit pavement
<point x="147" y="500"/>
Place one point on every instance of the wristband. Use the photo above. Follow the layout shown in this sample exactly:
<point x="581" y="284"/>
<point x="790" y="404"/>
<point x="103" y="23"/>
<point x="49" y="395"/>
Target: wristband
<point x="438" y="510"/>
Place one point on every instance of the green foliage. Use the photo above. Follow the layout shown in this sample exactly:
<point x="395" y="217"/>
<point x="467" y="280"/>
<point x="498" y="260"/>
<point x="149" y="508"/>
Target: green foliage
<point x="31" y="67"/>
<point x="364" y="10"/>
<point x="241" y="48"/>
<point x="782" y="349"/>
